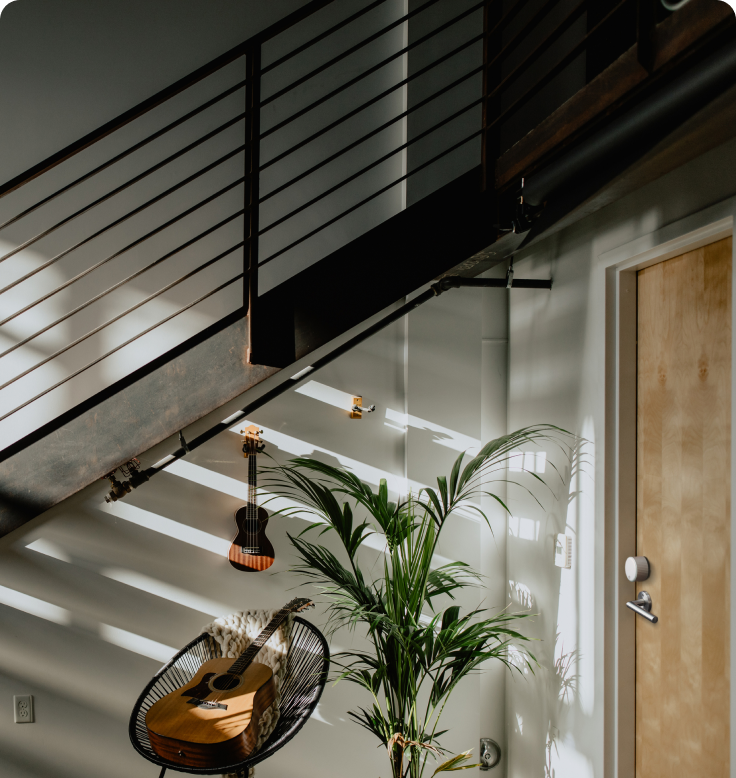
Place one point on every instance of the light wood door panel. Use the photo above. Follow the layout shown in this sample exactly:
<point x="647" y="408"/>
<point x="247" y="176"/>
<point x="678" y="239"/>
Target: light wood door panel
<point x="683" y="514"/>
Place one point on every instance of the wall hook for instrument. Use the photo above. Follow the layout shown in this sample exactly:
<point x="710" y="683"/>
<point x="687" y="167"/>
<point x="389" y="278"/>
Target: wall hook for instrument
<point x="357" y="409"/>
<point x="183" y="442"/>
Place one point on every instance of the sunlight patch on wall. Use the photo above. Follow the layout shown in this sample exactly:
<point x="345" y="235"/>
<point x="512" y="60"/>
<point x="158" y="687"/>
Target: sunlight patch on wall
<point x="34" y="606"/>
<point x="524" y="529"/>
<point x="444" y="436"/>
<point x="47" y="548"/>
<point x="136" y="643"/>
<point x="172" y="529"/>
<point x="317" y="716"/>
<point x="300" y="448"/>
<point x="370" y="475"/>
<point x="166" y="591"/>
<point x="234" y="488"/>
<point x="529" y="461"/>
<point x="521" y="593"/>
<point x="326" y="394"/>
<point x="586" y="559"/>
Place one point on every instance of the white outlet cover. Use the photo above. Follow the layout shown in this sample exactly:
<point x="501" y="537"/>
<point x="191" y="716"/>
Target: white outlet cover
<point x="563" y="551"/>
<point x="23" y="708"/>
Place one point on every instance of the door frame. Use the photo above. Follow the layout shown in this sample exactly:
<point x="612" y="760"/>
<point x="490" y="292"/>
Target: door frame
<point x="620" y="266"/>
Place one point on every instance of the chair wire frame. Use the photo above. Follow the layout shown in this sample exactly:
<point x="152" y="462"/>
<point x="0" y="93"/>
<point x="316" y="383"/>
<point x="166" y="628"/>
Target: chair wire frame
<point x="307" y="664"/>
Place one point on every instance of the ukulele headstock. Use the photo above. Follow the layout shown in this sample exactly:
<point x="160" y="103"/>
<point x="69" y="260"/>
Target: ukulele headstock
<point x="252" y="444"/>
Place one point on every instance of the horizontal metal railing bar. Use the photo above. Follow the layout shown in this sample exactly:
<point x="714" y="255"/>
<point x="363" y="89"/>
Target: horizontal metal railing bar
<point x="508" y="17"/>
<point x="163" y="95"/>
<point x="317" y="38"/>
<point x="553" y="71"/>
<point x="135" y="243"/>
<point x="543" y="10"/>
<point x="124" y="281"/>
<point x="121" y="346"/>
<point x="546" y="42"/>
<point x="327" y="65"/>
<point x="380" y="97"/>
<point x="122" y="187"/>
<point x="373" y="196"/>
<point x="125" y="153"/>
<point x="374" y="132"/>
<point x="369" y="71"/>
<point x="124" y="218"/>
<point x="372" y="165"/>
<point x="119" y="316"/>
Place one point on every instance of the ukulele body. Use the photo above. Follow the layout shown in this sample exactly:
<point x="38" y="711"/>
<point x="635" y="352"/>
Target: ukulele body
<point x="207" y="738"/>
<point x="251" y="562"/>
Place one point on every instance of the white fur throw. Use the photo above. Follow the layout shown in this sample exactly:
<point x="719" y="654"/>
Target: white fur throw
<point x="234" y="633"/>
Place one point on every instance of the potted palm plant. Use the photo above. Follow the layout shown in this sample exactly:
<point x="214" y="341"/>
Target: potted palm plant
<point x="416" y="653"/>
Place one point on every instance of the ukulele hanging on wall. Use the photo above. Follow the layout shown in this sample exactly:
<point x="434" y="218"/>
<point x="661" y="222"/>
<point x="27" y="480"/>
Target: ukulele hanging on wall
<point x="251" y="551"/>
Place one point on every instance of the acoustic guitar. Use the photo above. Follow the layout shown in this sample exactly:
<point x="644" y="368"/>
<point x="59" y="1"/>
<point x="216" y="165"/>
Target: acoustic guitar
<point x="251" y="551"/>
<point x="213" y="721"/>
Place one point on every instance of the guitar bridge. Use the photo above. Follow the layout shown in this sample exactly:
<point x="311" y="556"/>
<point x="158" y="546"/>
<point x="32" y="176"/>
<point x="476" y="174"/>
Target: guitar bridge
<point x="207" y="704"/>
<point x="253" y="550"/>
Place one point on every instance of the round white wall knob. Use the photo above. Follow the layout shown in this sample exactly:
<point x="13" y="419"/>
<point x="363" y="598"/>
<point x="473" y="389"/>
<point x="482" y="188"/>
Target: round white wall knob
<point x="637" y="568"/>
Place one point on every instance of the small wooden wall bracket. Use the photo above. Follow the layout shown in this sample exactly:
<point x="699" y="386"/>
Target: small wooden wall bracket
<point x="356" y="410"/>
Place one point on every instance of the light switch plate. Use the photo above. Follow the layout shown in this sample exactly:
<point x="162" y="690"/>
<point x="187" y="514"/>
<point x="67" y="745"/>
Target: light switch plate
<point x="23" y="708"/>
<point x="563" y="551"/>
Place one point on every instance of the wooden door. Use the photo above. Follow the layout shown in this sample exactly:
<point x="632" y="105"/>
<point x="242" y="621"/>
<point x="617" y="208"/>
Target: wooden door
<point x="683" y="514"/>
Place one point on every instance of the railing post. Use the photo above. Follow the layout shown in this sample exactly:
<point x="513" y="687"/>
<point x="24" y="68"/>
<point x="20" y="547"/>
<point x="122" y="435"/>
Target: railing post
<point x="252" y="193"/>
<point x="492" y="12"/>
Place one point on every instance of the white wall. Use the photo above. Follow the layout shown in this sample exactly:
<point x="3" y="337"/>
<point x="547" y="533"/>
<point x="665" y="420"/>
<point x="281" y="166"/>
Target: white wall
<point x="95" y="570"/>
<point x="557" y="374"/>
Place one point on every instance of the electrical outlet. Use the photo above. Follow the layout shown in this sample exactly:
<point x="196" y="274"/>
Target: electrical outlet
<point x="23" y="708"/>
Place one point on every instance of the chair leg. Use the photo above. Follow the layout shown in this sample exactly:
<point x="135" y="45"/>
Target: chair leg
<point x="162" y="773"/>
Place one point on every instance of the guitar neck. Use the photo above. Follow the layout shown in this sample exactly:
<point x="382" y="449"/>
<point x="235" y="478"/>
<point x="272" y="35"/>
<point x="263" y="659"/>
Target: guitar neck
<point x="250" y="653"/>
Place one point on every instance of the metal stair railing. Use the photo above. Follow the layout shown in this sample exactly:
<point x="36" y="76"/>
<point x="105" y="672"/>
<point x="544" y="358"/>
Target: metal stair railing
<point x="325" y="124"/>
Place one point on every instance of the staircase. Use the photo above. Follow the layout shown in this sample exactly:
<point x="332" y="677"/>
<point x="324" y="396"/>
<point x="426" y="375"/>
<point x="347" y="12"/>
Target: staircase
<point x="243" y="220"/>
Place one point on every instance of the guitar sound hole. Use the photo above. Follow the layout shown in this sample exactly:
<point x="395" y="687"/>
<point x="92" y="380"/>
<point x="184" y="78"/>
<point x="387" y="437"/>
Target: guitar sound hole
<point x="225" y="682"/>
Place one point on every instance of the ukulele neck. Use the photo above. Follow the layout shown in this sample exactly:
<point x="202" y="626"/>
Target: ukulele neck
<point x="250" y="653"/>
<point x="252" y="487"/>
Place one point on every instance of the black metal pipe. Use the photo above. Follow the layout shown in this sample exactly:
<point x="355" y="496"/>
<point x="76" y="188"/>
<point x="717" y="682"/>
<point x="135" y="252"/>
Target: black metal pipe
<point x="630" y="136"/>
<point x="456" y="282"/>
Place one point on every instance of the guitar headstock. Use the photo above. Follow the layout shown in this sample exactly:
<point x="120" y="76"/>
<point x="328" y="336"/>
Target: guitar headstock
<point x="299" y="604"/>
<point x="252" y="442"/>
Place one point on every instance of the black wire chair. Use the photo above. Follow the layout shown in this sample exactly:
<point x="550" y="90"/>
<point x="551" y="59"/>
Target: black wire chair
<point x="306" y="673"/>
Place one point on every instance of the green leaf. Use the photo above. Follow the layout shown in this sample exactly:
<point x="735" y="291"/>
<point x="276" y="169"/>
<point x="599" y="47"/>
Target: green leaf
<point x="456" y="763"/>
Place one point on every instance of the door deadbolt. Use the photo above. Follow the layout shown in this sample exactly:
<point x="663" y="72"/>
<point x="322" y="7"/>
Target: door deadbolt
<point x="637" y="568"/>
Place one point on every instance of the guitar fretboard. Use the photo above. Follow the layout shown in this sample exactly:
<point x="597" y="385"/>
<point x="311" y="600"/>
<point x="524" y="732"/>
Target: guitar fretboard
<point x="240" y="664"/>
